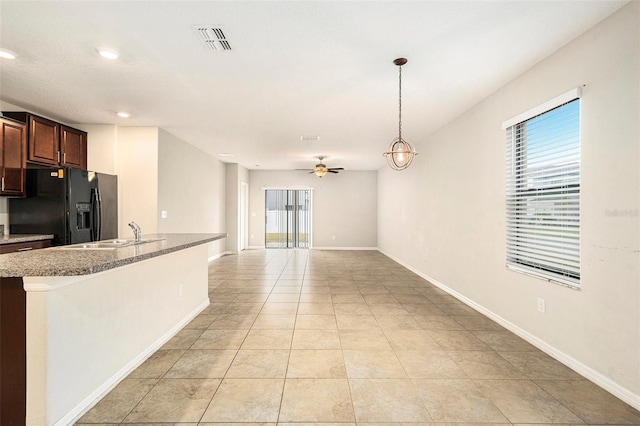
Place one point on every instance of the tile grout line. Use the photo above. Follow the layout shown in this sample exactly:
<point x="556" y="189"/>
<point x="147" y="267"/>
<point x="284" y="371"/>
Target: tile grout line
<point x="239" y="347"/>
<point x="353" y="407"/>
<point x="293" y="334"/>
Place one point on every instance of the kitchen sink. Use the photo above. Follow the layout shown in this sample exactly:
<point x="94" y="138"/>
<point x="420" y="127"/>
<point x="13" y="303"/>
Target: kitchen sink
<point x="108" y="244"/>
<point x="146" y="240"/>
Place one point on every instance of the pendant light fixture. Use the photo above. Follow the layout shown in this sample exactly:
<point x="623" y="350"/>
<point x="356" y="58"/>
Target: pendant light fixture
<point x="400" y="154"/>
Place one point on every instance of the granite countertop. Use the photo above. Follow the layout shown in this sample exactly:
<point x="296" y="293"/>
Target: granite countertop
<point x="58" y="261"/>
<point x="23" y="238"/>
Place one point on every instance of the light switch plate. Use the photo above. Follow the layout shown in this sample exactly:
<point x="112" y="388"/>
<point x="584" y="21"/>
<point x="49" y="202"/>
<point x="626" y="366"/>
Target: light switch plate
<point x="164" y="214"/>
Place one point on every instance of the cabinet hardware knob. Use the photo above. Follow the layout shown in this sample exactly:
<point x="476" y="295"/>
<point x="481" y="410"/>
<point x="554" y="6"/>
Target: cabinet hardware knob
<point x="58" y="156"/>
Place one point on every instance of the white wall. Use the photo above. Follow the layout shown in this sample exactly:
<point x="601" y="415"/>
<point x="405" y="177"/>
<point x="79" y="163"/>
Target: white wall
<point x="137" y="170"/>
<point x="232" y="206"/>
<point x="235" y="174"/>
<point x="344" y="205"/>
<point x="453" y="201"/>
<point x="101" y="147"/>
<point x="191" y="189"/>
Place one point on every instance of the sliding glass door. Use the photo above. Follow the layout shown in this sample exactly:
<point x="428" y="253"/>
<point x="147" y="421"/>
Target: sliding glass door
<point x="288" y="218"/>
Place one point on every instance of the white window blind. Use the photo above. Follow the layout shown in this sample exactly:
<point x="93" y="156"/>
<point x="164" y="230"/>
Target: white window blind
<point x="543" y="191"/>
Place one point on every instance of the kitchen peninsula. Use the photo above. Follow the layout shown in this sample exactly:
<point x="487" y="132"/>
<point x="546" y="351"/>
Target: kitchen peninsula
<point x="75" y="321"/>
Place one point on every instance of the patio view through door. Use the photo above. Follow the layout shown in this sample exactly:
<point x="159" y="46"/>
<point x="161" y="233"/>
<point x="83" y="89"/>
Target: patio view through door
<point x="288" y="218"/>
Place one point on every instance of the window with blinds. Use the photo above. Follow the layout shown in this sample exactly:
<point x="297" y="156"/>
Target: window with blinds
<point x="543" y="190"/>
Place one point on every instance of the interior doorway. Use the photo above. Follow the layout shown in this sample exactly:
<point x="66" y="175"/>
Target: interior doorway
<point x="288" y="218"/>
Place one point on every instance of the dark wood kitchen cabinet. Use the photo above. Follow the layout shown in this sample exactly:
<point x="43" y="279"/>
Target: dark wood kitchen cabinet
<point x="24" y="246"/>
<point x="51" y="143"/>
<point x="13" y="352"/>
<point x="73" y="145"/>
<point x="13" y="152"/>
<point x="44" y="140"/>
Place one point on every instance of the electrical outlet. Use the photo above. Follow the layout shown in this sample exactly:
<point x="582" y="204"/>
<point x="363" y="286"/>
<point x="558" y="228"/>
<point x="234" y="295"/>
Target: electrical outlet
<point x="164" y="214"/>
<point x="542" y="307"/>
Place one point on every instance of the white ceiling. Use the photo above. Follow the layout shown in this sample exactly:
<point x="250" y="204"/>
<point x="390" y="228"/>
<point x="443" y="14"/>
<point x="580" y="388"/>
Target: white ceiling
<point x="297" y="69"/>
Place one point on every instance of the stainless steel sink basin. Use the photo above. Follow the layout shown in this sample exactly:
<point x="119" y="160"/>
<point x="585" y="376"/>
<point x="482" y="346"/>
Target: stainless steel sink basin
<point x="86" y="246"/>
<point x="108" y="244"/>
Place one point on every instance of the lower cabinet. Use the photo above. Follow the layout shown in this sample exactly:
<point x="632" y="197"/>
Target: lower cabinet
<point x="26" y="246"/>
<point x="13" y="352"/>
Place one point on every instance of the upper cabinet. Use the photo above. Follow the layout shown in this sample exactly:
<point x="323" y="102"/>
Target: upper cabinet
<point x="51" y="143"/>
<point x="73" y="145"/>
<point x="13" y="153"/>
<point x="44" y="140"/>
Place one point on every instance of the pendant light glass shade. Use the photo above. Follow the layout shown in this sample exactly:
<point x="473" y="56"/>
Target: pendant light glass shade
<point x="400" y="154"/>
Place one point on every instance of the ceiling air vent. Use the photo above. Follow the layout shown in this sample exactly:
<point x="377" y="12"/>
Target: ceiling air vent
<point x="212" y="37"/>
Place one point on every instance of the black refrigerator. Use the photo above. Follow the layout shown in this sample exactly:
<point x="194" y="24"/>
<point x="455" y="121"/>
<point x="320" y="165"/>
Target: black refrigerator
<point x="76" y="206"/>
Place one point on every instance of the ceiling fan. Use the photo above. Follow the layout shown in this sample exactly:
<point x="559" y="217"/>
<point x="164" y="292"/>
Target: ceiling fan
<point x="321" y="169"/>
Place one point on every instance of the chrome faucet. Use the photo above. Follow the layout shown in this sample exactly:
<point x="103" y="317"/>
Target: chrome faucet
<point x="137" y="232"/>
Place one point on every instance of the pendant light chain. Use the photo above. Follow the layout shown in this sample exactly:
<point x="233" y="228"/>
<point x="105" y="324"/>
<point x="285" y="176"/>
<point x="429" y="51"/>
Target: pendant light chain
<point x="400" y="103"/>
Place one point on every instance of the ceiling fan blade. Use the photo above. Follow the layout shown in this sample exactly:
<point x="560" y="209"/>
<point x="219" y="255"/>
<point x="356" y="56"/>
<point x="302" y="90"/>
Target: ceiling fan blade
<point x="303" y="170"/>
<point x="336" y="168"/>
<point x="312" y="171"/>
<point x="332" y="171"/>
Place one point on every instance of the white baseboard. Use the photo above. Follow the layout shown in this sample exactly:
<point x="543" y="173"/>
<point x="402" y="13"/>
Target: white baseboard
<point x="584" y="370"/>
<point x="344" y="248"/>
<point x="218" y="256"/>
<point x="323" y="248"/>
<point x="85" y="405"/>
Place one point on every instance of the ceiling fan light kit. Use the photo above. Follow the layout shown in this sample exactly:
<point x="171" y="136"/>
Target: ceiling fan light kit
<point x="320" y="169"/>
<point x="400" y="154"/>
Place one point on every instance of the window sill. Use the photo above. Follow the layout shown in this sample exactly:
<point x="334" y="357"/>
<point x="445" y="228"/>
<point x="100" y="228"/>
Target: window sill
<point x="573" y="285"/>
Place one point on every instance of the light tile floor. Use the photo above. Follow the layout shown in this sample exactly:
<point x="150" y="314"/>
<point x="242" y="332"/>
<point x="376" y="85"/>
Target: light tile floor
<point x="296" y="336"/>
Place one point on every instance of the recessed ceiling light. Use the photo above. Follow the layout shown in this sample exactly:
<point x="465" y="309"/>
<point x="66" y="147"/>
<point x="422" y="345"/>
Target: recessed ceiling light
<point x="123" y="114"/>
<point x="225" y="154"/>
<point x="7" y="54"/>
<point x="108" y="53"/>
<point x="309" y="138"/>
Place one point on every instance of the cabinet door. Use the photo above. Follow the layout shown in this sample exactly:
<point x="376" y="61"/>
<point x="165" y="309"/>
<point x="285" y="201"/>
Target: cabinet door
<point x="13" y="150"/>
<point x="43" y="140"/>
<point x="73" y="147"/>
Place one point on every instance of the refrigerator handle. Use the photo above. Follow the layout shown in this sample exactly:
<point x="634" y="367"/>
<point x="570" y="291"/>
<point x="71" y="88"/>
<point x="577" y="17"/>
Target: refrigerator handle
<point x="96" y="201"/>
